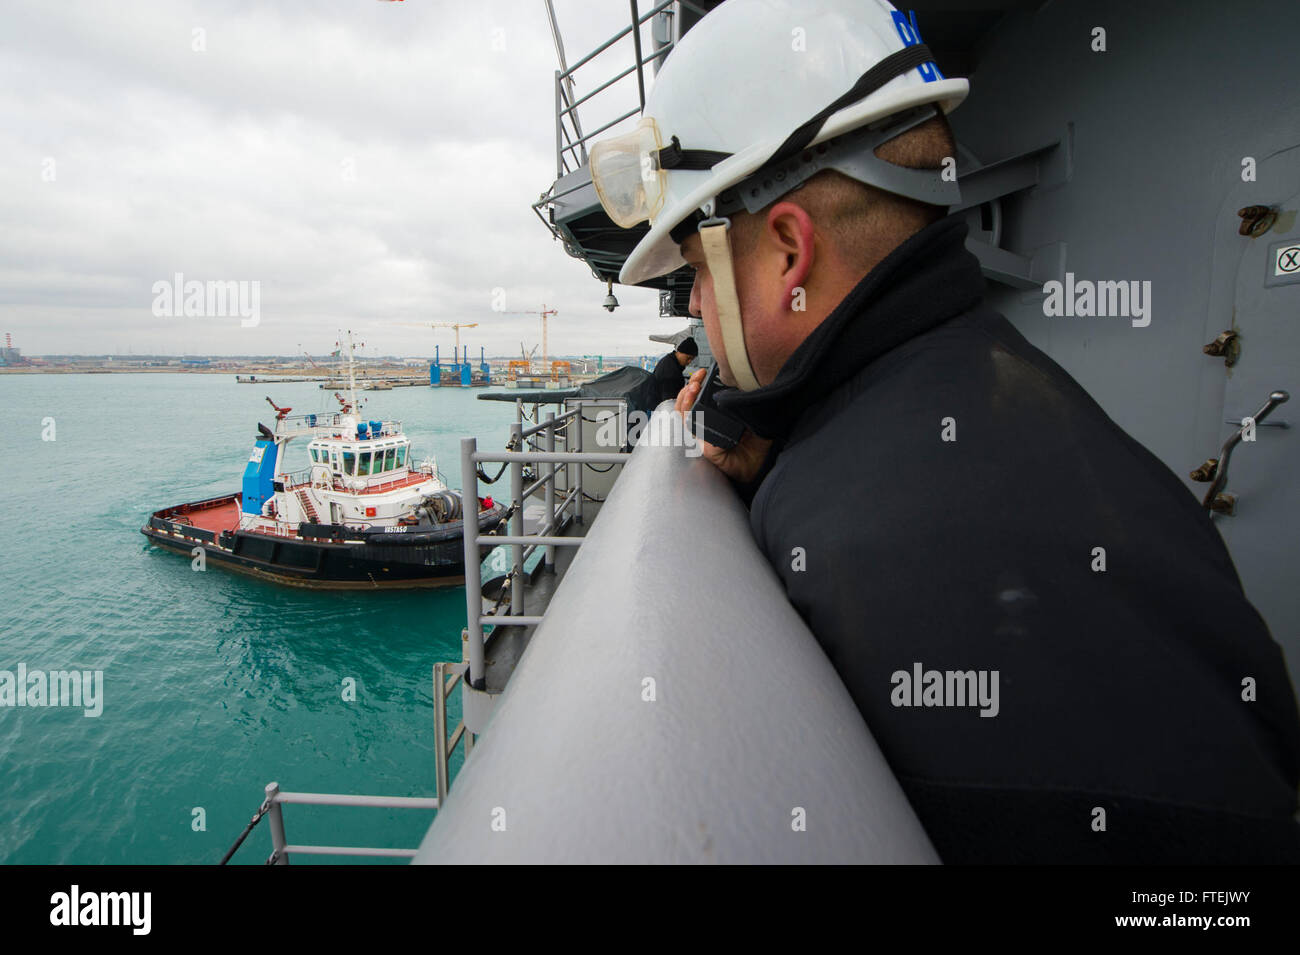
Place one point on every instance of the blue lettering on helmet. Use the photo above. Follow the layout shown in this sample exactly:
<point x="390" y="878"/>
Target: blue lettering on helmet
<point x="911" y="36"/>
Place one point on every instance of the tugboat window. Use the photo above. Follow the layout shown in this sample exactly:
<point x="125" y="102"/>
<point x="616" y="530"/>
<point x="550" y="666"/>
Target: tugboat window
<point x="401" y="456"/>
<point x="388" y="460"/>
<point x="349" y="462"/>
<point x="365" y="463"/>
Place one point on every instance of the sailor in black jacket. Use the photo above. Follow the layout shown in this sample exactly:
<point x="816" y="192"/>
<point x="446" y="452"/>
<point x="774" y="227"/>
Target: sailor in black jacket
<point x="668" y="372"/>
<point x="1041" y="628"/>
<point x="941" y="498"/>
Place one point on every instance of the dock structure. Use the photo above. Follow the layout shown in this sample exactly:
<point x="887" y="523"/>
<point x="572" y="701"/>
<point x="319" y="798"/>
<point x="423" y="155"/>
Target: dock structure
<point x="459" y="373"/>
<point x="276" y="379"/>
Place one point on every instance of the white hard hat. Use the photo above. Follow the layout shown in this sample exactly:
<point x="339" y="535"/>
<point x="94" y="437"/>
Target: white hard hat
<point x="752" y="89"/>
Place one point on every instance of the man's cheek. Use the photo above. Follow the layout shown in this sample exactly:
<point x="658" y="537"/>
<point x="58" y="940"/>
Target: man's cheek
<point x="714" y="336"/>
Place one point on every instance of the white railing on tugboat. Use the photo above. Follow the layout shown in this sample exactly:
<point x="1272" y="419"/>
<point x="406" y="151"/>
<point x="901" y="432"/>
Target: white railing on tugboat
<point x="303" y="423"/>
<point x="296" y="479"/>
<point x="328" y="419"/>
<point x="293" y="480"/>
<point x="413" y="477"/>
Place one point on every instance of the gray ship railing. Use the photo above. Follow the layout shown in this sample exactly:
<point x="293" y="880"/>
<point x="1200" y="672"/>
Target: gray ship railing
<point x="674" y="706"/>
<point x="535" y="445"/>
<point x="272" y="806"/>
<point x="522" y="545"/>
<point x="567" y="102"/>
<point x="280" y="847"/>
<point x="570" y="138"/>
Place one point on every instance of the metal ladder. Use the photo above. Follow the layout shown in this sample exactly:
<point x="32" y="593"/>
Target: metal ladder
<point x="305" y="501"/>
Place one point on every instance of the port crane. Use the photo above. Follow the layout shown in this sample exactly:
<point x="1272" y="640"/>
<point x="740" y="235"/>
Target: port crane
<point x="454" y="326"/>
<point x="544" y="313"/>
<point x="312" y="361"/>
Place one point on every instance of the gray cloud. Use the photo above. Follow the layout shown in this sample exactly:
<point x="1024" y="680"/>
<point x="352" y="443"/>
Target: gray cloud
<point x="368" y="163"/>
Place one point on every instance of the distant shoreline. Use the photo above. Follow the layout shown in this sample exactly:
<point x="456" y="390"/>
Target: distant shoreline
<point x="375" y="372"/>
<point x="268" y="372"/>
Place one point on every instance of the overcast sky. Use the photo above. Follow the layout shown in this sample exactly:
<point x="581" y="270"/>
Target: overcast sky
<point x="368" y="162"/>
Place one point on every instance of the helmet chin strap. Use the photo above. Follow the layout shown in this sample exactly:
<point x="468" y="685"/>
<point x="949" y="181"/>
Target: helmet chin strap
<point x="717" y="255"/>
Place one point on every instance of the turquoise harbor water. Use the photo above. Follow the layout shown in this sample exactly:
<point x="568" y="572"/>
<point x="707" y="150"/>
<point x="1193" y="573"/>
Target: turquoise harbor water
<point x="214" y="683"/>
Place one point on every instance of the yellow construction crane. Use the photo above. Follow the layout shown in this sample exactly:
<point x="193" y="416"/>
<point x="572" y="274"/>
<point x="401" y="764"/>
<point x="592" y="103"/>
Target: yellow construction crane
<point x="455" y="326"/>
<point x="544" y="313"/>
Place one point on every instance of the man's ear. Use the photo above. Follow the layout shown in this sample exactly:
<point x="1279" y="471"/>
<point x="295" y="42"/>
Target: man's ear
<point x="789" y="231"/>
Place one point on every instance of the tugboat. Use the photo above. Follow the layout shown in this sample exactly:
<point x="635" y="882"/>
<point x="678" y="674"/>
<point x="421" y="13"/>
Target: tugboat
<point x="363" y="515"/>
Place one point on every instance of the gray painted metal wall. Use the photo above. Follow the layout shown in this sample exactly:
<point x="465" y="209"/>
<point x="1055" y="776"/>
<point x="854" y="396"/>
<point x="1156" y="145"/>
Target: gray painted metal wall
<point x="1160" y="124"/>
<point x="749" y="724"/>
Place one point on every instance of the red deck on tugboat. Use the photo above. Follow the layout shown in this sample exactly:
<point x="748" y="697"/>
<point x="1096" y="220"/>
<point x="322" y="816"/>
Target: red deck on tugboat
<point x="220" y="515"/>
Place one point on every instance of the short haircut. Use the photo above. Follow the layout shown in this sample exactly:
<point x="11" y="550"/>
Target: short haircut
<point x="865" y="223"/>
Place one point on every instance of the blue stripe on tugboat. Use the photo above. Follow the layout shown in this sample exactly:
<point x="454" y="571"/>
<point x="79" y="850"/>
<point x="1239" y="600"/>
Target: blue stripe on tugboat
<point x="259" y="476"/>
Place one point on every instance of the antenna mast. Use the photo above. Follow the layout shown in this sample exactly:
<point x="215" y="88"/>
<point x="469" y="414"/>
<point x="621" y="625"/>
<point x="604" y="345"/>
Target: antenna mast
<point x="352" y="374"/>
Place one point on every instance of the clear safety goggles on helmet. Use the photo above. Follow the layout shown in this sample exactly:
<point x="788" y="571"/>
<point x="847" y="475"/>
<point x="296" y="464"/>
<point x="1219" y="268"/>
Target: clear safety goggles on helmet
<point x="630" y="171"/>
<point x="626" y="173"/>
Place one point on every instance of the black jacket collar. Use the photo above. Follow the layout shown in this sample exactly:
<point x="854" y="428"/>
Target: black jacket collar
<point x="923" y="283"/>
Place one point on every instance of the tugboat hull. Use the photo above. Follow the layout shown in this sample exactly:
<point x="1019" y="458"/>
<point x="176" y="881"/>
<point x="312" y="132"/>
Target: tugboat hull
<point x="332" y="557"/>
